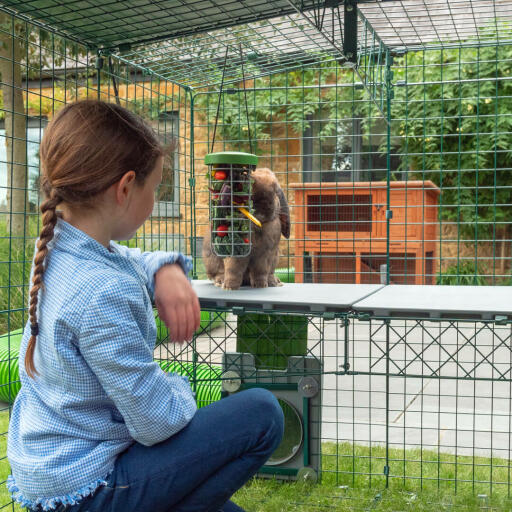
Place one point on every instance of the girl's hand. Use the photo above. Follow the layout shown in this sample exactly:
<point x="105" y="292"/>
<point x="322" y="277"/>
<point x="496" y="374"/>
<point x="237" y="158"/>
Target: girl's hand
<point x="177" y="303"/>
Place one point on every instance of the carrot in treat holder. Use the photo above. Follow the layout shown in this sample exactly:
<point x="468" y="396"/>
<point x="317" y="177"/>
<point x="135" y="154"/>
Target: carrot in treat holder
<point x="229" y="176"/>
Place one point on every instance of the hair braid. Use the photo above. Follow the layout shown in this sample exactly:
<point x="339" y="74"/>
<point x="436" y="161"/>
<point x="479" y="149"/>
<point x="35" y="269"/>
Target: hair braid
<point x="49" y="219"/>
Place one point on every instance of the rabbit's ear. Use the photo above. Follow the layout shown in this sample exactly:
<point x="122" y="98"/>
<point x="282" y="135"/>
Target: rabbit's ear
<point x="284" y="213"/>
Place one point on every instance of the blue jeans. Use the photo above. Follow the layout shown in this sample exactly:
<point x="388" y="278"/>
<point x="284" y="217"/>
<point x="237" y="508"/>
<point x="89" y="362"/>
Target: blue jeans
<point x="199" y="468"/>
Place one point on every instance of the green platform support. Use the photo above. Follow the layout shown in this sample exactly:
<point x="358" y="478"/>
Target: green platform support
<point x="272" y="338"/>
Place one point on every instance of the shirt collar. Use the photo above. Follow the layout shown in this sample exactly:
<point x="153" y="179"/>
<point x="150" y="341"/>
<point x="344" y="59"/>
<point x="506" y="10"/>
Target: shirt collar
<point x="72" y="240"/>
<point x="68" y="238"/>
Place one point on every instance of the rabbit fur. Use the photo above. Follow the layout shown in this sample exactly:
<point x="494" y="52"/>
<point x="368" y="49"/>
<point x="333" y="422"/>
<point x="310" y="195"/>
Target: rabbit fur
<point x="256" y="269"/>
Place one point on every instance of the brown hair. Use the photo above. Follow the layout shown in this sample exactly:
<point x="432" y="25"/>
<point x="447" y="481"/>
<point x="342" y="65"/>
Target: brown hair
<point x="87" y="147"/>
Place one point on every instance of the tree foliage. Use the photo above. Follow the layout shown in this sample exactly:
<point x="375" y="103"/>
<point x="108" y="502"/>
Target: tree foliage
<point x="290" y="98"/>
<point x="452" y="125"/>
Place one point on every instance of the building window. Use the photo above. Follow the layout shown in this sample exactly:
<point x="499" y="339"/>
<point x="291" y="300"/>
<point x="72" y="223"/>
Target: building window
<point x="168" y="194"/>
<point x="35" y="128"/>
<point x="352" y="153"/>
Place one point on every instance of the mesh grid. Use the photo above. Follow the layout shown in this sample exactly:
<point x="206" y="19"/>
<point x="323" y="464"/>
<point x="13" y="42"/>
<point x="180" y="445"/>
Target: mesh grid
<point x="269" y="38"/>
<point x="422" y="129"/>
<point x="114" y="22"/>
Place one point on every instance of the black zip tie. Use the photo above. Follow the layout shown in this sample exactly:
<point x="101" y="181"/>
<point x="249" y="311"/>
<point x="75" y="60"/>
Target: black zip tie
<point x="34" y="329"/>
<point x="112" y="76"/>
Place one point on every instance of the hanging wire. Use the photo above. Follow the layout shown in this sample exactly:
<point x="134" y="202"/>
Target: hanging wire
<point x="245" y="98"/>
<point x="220" y="95"/>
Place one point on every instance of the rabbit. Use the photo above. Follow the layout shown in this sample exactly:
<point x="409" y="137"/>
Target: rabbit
<point x="256" y="269"/>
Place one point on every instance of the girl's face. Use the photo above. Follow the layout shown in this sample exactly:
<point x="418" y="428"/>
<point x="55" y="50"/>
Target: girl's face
<point x="140" y="204"/>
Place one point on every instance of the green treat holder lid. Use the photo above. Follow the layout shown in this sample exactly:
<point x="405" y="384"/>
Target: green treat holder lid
<point x="231" y="157"/>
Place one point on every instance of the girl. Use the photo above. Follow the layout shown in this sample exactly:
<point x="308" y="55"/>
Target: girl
<point x="97" y="425"/>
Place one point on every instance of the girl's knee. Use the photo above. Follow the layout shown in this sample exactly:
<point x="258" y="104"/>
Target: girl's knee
<point x="264" y="400"/>
<point x="267" y="409"/>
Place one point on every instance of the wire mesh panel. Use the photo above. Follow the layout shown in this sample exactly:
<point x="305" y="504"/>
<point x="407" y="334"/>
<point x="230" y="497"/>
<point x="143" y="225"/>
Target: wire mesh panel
<point x="452" y="121"/>
<point x="268" y="350"/>
<point x="50" y="71"/>
<point x="390" y="138"/>
<point x="166" y="107"/>
<point x="433" y="190"/>
<point x="41" y="72"/>
<point x="319" y="131"/>
<point x="427" y="404"/>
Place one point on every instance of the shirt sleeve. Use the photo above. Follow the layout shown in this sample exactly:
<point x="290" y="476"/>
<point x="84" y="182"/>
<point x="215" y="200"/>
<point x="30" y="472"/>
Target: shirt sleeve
<point x="152" y="261"/>
<point x="155" y="405"/>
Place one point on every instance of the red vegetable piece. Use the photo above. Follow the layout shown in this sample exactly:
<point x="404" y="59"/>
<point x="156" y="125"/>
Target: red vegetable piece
<point x="222" y="230"/>
<point x="246" y="240"/>
<point x="220" y="175"/>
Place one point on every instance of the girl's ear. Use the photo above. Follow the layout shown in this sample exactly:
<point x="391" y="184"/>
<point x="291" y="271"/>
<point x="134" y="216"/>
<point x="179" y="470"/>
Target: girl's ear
<point x="124" y="187"/>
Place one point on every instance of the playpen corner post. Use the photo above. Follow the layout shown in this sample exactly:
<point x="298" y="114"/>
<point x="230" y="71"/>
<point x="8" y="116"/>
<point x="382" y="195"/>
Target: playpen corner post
<point x="389" y="96"/>
<point x="192" y="185"/>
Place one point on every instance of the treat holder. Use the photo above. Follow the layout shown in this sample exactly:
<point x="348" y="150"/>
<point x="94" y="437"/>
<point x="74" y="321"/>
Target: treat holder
<point x="231" y="215"/>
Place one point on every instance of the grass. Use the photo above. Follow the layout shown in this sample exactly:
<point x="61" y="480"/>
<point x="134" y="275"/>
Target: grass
<point x="15" y="261"/>
<point x="261" y="496"/>
<point x="345" y="484"/>
<point x="5" y="497"/>
<point x="422" y="481"/>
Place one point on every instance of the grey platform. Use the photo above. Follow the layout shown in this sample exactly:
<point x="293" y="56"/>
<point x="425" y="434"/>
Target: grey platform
<point x="293" y="297"/>
<point x="430" y="301"/>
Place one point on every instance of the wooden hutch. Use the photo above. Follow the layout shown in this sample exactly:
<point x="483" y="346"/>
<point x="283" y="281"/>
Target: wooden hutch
<point x="341" y="234"/>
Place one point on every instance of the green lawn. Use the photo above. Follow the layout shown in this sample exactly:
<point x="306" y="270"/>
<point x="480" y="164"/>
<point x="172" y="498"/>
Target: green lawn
<point x="4" y="465"/>
<point x="346" y="484"/>
<point x="342" y="489"/>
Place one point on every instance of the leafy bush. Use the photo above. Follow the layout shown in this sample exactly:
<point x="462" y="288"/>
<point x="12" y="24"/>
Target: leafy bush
<point x="452" y="112"/>
<point x="465" y="272"/>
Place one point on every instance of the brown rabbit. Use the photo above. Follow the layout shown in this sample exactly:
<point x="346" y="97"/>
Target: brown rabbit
<point x="256" y="269"/>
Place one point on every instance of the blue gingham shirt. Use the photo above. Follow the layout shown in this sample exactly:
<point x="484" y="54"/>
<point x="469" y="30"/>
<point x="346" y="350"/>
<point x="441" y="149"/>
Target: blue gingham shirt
<point x="98" y="388"/>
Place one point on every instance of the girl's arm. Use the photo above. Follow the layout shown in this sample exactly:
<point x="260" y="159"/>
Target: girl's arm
<point x="152" y="261"/>
<point x="172" y="294"/>
<point x="112" y="340"/>
<point x="177" y="303"/>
